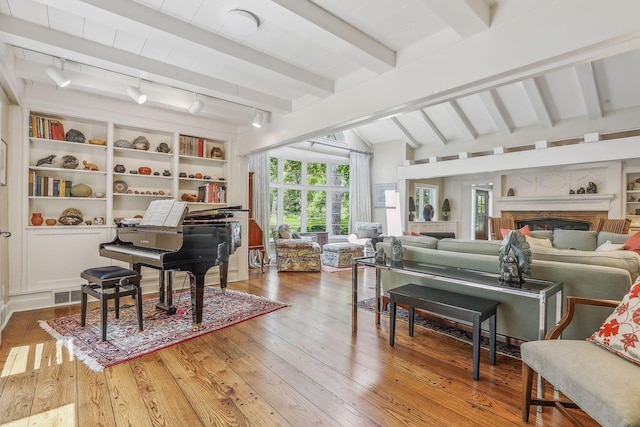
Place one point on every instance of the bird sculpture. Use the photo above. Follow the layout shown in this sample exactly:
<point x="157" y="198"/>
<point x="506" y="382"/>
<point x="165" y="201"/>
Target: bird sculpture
<point x="46" y="160"/>
<point x="515" y="259"/>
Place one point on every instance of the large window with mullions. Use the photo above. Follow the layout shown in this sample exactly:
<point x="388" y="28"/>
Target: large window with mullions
<point x="310" y="195"/>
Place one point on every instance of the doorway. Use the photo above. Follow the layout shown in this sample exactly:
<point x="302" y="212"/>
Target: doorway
<point x="481" y="199"/>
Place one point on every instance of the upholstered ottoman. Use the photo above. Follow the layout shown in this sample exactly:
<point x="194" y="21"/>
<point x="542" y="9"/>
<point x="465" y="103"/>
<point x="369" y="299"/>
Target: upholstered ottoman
<point x="341" y="254"/>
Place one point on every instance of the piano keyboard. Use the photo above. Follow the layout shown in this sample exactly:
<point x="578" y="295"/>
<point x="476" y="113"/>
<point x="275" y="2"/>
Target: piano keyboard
<point x="136" y="250"/>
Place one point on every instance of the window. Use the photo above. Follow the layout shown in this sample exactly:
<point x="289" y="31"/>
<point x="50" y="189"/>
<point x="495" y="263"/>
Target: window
<point x="426" y="196"/>
<point x="324" y="188"/>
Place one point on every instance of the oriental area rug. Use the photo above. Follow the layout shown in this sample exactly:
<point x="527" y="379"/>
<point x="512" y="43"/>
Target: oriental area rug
<point x="403" y="315"/>
<point x="125" y="341"/>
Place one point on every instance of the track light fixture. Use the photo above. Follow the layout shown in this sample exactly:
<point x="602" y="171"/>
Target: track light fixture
<point x="258" y="118"/>
<point x="196" y="106"/>
<point x="57" y="75"/>
<point x="136" y="94"/>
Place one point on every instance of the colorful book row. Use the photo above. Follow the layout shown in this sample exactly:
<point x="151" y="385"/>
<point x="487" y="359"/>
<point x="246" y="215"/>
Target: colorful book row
<point x="43" y="127"/>
<point x="48" y="186"/>
<point x="212" y="193"/>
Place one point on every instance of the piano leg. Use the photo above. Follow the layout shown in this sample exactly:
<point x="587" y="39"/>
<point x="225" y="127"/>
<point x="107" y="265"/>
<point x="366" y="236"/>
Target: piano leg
<point x="197" y="299"/>
<point x="168" y="305"/>
<point x="224" y="270"/>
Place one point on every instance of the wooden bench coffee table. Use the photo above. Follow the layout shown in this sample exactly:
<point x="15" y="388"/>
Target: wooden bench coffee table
<point x="458" y="306"/>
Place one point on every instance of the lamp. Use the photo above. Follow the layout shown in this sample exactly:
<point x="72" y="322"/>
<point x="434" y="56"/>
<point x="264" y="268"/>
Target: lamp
<point x="136" y="94"/>
<point x="240" y="22"/>
<point x="258" y="118"/>
<point x="58" y="75"/>
<point x="196" y="106"/>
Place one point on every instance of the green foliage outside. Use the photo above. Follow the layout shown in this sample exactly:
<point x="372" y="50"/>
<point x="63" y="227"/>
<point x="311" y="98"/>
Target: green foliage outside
<point x="316" y="200"/>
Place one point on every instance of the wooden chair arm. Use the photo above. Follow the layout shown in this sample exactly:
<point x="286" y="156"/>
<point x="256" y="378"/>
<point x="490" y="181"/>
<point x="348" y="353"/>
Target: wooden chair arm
<point x="572" y="301"/>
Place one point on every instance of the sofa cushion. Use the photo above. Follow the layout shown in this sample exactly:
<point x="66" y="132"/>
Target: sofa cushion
<point x="620" y="332"/>
<point x="539" y="242"/>
<point x="542" y="234"/>
<point x="419" y="241"/>
<point x="574" y="239"/>
<point x="626" y="260"/>
<point x="615" y="238"/>
<point x="483" y="247"/>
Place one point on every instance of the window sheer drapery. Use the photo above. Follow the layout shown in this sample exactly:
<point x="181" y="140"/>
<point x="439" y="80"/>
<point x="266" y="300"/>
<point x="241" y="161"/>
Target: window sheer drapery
<point x="359" y="188"/>
<point x="259" y="165"/>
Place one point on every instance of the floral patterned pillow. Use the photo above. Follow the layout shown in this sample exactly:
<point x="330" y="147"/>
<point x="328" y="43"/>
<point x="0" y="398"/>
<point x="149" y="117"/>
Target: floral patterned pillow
<point x="620" y="332"/>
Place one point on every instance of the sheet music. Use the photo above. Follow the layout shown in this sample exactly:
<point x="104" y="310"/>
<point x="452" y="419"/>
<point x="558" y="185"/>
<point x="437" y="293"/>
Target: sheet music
<point x="164" y="213"/>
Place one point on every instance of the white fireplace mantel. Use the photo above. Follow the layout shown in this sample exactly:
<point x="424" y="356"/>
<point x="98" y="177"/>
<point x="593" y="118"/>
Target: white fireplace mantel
<point x="569" y="202"/>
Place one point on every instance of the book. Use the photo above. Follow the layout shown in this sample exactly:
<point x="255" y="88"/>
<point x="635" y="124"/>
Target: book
<point x="164" y="213"/>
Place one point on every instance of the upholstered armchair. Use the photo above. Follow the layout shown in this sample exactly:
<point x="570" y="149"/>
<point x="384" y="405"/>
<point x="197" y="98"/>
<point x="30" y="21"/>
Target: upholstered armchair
<point x="294" y="253"/>
<point x="363" y="232"/>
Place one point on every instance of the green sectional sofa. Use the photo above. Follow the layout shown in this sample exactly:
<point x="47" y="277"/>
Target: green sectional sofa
<point x="584" y="273"/>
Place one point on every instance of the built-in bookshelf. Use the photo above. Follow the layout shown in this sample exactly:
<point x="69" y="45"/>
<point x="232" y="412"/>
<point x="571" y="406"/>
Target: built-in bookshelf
<point x="63" y="174"/>
<point x="202" y="171"/>
<point x="117" y="170"/>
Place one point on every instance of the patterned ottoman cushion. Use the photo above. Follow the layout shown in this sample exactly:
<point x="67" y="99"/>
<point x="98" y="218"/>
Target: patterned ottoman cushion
<point x="341" y="254"/>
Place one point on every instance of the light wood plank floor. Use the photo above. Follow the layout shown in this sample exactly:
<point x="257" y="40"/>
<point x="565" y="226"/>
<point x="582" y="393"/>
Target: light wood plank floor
<point x="299" y="366"/>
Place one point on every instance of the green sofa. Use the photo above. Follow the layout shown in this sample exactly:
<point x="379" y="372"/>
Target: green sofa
<point x="607" y="275"/>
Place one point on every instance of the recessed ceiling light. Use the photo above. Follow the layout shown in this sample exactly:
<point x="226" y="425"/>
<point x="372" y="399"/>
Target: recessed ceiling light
<point x="240" y="22"/>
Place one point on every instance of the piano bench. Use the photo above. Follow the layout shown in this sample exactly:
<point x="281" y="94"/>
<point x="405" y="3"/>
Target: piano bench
<point x="110" y="282"/>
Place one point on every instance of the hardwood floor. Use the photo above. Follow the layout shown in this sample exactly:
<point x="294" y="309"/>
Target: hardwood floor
<point x="299" y="366"/>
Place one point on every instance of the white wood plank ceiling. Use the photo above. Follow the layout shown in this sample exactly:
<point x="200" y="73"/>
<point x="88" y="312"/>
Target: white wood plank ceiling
<point x="302" y="52"/>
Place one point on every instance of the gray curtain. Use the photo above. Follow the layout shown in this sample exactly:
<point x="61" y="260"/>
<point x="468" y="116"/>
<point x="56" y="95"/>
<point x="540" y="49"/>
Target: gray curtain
<point x="359" y="188"/>
<point x="259" y="165"/>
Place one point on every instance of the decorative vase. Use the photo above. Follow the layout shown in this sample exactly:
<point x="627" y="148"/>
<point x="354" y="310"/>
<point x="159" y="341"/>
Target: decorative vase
<point x="36" y="218"/>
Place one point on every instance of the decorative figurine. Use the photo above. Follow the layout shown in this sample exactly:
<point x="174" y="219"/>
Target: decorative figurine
<point x="515" y="259"/>
<point x="46" y="160"/>
<point x="427" y="212"/>
<point x="581" y="190"/>
<point x="119" y="168"/>
<point x="74" y="135"/>
<point x="141" y="143"/>
<point x="380" y="256"/>
<point x="163" y="147"/>
<point x="591" y="188"/>
<point x="89" y="166"/>
<point x="397" y="250"/>
<point x="69" y="161"/>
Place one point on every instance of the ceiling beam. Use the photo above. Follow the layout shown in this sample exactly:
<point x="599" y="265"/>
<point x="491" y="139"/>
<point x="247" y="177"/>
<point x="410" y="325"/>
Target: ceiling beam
<point x="142" y="20"/>
<point x="412" y="141"/>
<point x="465" y="17"/>
<point x="461" y="119"/>
<point x="587" y="80"/>
<point x="364" y="140"/>
<point x="439" y="136"/>
<point x="538" y="103"/>
<point x="497" y="111"/>
<point x="369" y="52"/>
<point x="22" y="33"/>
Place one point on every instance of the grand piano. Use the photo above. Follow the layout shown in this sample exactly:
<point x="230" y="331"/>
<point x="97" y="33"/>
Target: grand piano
<point x="194" y="243"/>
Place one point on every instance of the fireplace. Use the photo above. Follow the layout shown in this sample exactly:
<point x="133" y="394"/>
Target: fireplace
<point x="552" y="224"/>
<point x="551" y="220"/>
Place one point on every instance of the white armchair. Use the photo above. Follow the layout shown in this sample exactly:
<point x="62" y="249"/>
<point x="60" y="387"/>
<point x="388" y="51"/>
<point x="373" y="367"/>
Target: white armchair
<point x="364" y="232"/>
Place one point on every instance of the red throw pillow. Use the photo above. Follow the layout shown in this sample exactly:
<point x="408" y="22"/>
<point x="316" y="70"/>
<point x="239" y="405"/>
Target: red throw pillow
<point x="524" y="230"/>
<point x="620" y="332"/>
<point x="633" y="243"/>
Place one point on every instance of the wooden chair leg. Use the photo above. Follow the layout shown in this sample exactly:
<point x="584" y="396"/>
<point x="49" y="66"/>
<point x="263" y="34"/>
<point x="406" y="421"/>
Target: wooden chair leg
<point x="104" y="307"/>
<point x="83" y="307"/>
<point x="527" y="384"/>
<point x="139" y="306"/>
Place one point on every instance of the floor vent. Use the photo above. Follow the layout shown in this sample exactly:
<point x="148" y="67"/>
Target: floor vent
<point x="66" y="297"/>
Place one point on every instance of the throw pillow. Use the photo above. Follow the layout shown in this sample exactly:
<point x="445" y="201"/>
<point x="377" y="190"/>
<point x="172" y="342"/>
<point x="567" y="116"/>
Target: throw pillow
<point x="616" y="238"/>
<point x="574" y="239"/>
<point x="524" y="230"/>
<point x="633" y="243"/>
<point x="284" y="231"/>
<point x="620" y="332"/>
<point x="539" y="242"/>
<point x="609" y="247"/>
